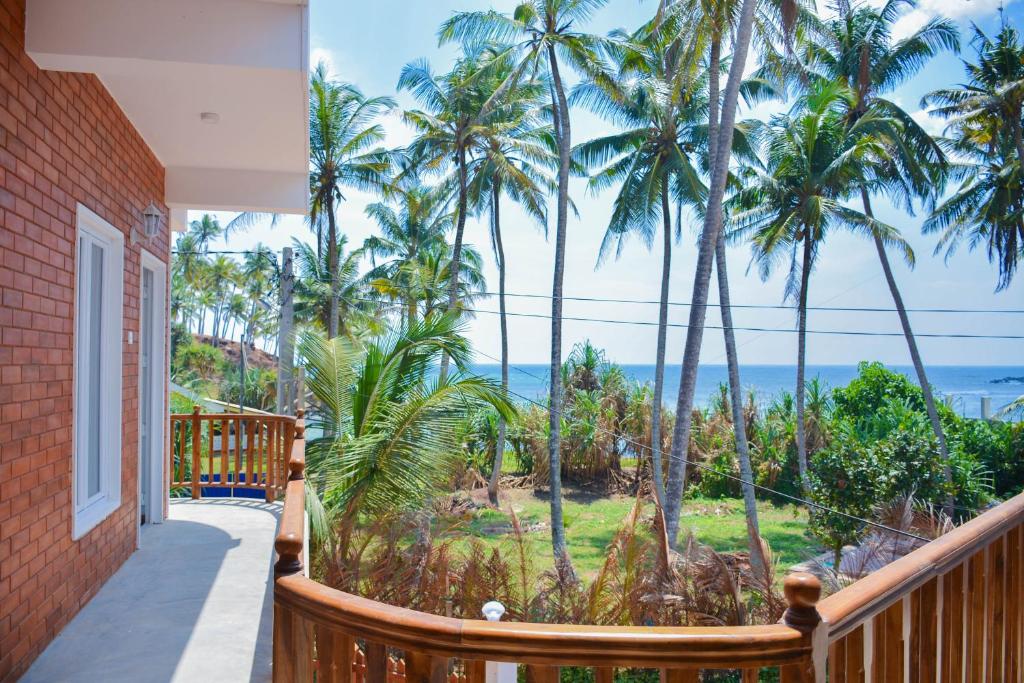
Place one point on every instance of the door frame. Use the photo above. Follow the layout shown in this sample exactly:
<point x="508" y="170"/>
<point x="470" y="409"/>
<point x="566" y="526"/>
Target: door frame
<point x="158" y="370"/>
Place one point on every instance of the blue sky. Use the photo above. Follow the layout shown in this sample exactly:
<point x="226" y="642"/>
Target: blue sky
<point x="368" y="43"/>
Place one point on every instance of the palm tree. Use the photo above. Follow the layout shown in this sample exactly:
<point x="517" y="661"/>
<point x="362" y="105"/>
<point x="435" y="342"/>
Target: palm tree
<point x="815" y="160"/>
<point x="654" y="97"/>
<point x="411" y="223"/>
<point x="512" y="154"/>
<point x="714" y="21"/>
<point x="538" y="31"/>
<point x="446" y="131"/>
<point x="343" y="137"/>
<point x="986" y="120"/>
<point x="356" y="310"/>
<point x="393" y="426"/>
<point x="857" y="49"/>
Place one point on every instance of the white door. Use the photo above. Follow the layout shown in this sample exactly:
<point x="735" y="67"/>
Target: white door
<point x="152" y="389"/>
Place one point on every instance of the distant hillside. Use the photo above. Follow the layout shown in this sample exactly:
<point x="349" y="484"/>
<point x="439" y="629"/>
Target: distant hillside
<point x="254" y="358"/>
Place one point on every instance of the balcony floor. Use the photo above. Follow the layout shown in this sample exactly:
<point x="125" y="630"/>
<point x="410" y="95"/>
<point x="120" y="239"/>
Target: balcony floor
<point x="193" y="603"/>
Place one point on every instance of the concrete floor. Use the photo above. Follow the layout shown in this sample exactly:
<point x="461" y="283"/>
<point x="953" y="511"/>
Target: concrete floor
<point x="194" y="603"/>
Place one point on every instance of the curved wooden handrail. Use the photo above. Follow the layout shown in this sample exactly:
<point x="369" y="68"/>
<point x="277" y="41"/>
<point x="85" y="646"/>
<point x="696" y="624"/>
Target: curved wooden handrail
<point x="306" y="610"/>
<point x="857" y="602"/>
<point x="550" y="644"/>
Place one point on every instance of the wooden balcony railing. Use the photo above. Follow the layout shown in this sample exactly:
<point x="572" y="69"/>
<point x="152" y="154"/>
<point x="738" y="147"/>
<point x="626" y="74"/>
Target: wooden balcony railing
<point x="230" y="451"/>
<point x="950" y="611"/>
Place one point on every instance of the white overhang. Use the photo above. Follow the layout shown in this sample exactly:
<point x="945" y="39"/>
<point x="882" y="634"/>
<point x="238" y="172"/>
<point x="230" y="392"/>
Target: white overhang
<point x="166" y="62"/>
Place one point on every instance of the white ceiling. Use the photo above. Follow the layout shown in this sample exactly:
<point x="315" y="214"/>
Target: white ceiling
<point x="167" y="62"/>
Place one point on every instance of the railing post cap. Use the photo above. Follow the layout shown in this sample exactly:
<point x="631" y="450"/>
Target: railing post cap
<point x="493" y="610"/>
<point x="802" y="590"/>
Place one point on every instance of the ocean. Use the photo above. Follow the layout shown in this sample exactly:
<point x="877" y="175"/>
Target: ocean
<point x="963" y="385"/>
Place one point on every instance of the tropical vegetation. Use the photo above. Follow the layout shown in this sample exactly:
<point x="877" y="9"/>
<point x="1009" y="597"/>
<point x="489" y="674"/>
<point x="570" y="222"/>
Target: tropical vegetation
<point x="417" y="464"/>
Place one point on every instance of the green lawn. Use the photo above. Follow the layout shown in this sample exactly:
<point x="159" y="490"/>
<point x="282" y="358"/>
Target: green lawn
<point x="592" y="522"/>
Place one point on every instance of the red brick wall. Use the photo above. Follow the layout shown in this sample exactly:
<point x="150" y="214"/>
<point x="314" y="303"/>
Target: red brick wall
<point x="63" y="140"/>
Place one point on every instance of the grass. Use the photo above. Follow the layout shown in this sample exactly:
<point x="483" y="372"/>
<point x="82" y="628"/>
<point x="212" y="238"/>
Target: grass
<point x="591" y="523"/>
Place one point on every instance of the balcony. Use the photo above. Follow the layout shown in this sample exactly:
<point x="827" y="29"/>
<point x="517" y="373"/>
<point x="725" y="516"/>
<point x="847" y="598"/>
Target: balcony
<point x="195" y="602"/>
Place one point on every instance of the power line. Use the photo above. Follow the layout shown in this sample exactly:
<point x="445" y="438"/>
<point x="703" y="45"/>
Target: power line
<point x="700" y="465"/>
<point x="842" y="309"/>
<point x="682" y="304"/>
<point x="649" y="323"/>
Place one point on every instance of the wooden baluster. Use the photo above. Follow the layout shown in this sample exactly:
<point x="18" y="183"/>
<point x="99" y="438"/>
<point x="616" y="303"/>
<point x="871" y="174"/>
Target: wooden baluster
<point x="604" y="674"/>
<point x="272" y="428"/>
<point x="293" y="647"/>
<point x="421" y="668"/>
<point x="928" y="650"/>
<point x="180" y="477"/>
<point x="996" y="610"/>
<point x="536" y="673"/>
<point x="209" y="451"/>
<point x="335" y="652"/>
<point x="1013" y="606"/>
<point x="976" y="622"/>
<point x="887" y="644"/>
<point x="837" y="661"/>
<point x="679" y="675"/>
<point x="750" y="675"/>
<point x="953" y="625"/>
<point x="196" y="451"/>
<point x="250" y="451"/>
<point x="476" y="671"/>
<point x="225" y="430"/>
<point x="238" y="451"/>
<point x="914" y="651"/>
<point x="376" y="663"/>
<point x="802" y="593"/>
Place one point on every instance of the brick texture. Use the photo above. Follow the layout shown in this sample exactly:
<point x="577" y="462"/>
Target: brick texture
<point x="63" y="141"/>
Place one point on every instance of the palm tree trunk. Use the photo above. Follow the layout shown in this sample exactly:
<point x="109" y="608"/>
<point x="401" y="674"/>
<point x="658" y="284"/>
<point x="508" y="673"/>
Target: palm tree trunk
<point x="801" y="359"/>
<point x="332" y="266"/>
<point x="732" y="358"/>
<point x="915" y="355"/>
<point x="702" y="275"/>
<point x="757" y="560"/>
<point x="456" y="263"/>
<point x="499" y="451"/>
<point x="659" y="362"/>
<point x="561" y="118"/>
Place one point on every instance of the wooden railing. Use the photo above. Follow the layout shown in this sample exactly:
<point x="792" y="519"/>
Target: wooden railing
<point x="949" y="611"/>
<point x="230" y="451"/>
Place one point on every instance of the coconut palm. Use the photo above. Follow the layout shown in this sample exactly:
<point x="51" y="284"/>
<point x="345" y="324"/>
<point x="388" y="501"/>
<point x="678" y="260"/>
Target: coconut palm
<point x="986" y="122"/>
<point x="511" y="157"/>
<point x="538" y="33"/>
<point x="710" y="24"/>
<point x="857" y="48"/>
<point x="654" y="97"/>
<point x="815" y="160"/>
<point x="446" y="130"/>
<point x="343" y="138"/>
<point x="356" y="310"/>
<point x="412" y="222"/>
<point x="393" y="422"/>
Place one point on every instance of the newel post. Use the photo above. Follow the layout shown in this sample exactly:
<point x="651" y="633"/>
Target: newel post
<point x="290" y="541"/>
<point x="197" y="438"/>
<point x="802" y="591"/>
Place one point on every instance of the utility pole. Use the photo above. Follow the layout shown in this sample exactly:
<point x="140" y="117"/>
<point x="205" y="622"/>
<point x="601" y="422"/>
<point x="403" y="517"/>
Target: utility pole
<point x="286" y="336"/>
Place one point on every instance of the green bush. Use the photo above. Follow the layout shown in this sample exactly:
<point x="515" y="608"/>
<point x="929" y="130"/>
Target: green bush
<point x="854" y="475"/>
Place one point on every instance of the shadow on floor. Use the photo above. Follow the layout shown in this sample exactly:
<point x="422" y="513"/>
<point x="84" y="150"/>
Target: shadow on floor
<point x="194" y="603"/>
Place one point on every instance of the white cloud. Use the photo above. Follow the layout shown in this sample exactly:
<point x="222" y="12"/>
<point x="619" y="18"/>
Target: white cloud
<point x="932" y="125"/>
<point x="957" y="10"/>
<point x="327" y="56"/>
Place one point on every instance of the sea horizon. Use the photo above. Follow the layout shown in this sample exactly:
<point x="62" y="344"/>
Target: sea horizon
<point x="961" y="386"/>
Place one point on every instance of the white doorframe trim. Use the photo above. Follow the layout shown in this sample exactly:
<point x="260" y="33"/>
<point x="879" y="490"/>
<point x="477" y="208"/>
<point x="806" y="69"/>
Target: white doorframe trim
<point x="158" y="371"/>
